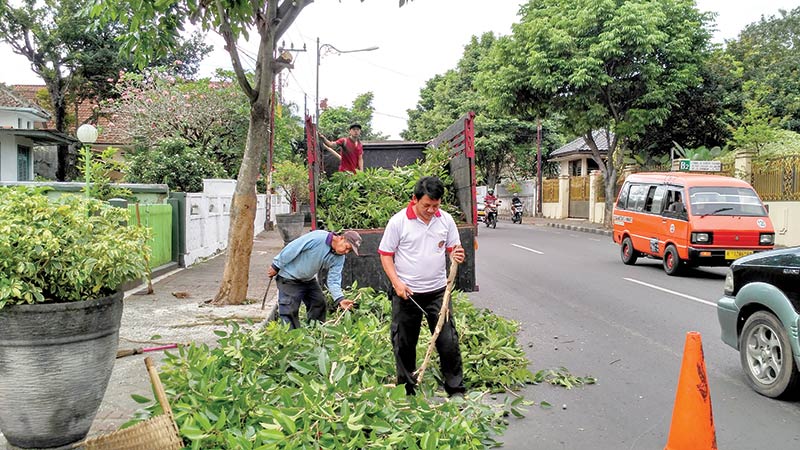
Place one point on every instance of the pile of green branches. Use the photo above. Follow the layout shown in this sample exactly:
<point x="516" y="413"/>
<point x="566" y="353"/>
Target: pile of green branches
<point x="329" y="386"/>
<point x="369" y="198"/>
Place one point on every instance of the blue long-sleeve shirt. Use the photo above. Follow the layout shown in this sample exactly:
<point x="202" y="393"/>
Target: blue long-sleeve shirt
<point x="303" y="258"/>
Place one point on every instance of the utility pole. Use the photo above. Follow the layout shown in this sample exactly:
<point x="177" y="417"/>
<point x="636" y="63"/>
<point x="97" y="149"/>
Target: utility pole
<point x="538" y="167"/>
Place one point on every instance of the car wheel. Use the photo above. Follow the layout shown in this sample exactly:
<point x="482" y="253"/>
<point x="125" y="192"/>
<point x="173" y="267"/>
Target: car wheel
<point x="626" y="251"/>
<point x="672" y="262"/>
<point x="766" y="356"/>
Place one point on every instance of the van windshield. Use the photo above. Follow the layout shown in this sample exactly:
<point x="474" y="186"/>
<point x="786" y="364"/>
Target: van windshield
<point x="725" y="201"/>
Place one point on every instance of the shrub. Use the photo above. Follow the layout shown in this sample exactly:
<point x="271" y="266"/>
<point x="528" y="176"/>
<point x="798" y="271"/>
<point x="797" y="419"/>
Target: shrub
<point x="64" y="250"/>
<point x="174" y="163"/>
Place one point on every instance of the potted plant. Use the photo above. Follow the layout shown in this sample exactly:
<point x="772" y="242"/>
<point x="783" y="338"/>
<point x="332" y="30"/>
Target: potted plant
<point x="61" y="262"/>
<point x="291" y="178"/>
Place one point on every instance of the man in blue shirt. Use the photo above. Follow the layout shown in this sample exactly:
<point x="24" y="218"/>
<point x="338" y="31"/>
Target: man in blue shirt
<point x="296" y="268"/>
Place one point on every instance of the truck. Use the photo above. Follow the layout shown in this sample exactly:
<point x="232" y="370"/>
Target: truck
<point x="459" y="138"/>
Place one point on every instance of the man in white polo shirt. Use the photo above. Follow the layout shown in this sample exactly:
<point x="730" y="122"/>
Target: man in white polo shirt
<point x="414" y="253"/>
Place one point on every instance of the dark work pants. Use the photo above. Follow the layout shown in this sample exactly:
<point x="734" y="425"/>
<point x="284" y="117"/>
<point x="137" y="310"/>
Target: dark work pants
<point x="406" y="324"/>
<point x="291" y="293"/>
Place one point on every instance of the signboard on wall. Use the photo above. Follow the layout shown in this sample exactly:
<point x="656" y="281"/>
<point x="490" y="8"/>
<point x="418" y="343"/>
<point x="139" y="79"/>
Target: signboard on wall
<point x="686" y="165"/>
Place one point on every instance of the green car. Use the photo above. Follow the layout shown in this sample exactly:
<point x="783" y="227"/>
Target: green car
<point x="759" y="316"/>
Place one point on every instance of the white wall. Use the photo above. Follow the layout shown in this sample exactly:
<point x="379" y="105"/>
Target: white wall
<point x="8" y="158"/>
<point x="207" y="219"/>
<point x="785" y="217"/>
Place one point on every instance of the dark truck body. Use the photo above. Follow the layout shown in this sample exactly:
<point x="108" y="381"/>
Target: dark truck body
<point x="366" y="268"/>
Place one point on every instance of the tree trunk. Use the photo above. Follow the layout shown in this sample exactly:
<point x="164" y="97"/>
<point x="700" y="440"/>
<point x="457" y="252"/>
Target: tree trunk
<point x="235" y="278"/>
<point x="56" y="88"/>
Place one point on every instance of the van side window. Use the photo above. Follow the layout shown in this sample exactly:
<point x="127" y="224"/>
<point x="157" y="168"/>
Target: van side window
<point x="636" y="197"/>
<point x="675" y="206"/>
<point x="623" y="196"/>
<point x="655" y="199"/>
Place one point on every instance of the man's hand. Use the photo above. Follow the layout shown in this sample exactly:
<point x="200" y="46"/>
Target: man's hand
<point x="458" y="254"/>
<point x="346" y="304"/>
<point x="402" y="290"/>
<point x="271" y="272"/>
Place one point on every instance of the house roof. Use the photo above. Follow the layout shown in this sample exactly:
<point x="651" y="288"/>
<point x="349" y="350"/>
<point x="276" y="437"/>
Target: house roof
<point x="578" y="146"/>
<point x="41" y="137"/>
<point x="110" y="132"/>
<point x="11" y="99"/>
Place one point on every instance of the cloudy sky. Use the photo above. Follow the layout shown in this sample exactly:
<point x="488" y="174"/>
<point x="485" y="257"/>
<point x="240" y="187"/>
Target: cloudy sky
<point x="415" y="42"/>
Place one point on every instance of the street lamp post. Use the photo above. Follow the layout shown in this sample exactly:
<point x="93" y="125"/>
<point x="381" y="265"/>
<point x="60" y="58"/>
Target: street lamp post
<point x="87" y="134"/>
<point x="329" y="46"/>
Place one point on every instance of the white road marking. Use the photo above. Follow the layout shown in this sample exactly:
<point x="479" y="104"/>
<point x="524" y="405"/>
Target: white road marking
<point x="668" y="291"/>
<point x="528" y="249"/>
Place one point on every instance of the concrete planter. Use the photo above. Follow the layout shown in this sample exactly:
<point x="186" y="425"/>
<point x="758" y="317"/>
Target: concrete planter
<point x="55" y="363"/>
<point x="290" y="226"/>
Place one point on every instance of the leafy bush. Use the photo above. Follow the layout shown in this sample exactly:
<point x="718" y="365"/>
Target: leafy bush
<point x="367" y="199"/>
<point x="292" y="178"/>
<point x="329" y="386"/>
<point x="174" y="163"/>
<point x="66" y="250"/>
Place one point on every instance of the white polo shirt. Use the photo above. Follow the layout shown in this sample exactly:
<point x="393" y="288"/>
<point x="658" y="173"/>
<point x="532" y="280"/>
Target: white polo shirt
<point x="420" y="248"/>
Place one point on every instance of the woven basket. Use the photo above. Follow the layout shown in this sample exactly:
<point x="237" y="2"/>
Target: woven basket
<point x="157" y="433"/>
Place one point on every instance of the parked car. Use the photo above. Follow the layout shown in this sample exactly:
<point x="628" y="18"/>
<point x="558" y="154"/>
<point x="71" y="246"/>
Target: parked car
<point x="759" y="316"/>
<point x="481" y="211"/>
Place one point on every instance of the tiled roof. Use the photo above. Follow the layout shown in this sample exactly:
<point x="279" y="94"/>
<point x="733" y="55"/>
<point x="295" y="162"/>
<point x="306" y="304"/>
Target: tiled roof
<point x="111" y="133"/>
<point x="9" y="98"/>
<point x="579" y="145"/>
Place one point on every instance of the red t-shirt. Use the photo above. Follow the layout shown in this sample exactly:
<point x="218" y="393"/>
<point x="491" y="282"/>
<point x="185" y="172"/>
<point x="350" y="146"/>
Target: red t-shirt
<point x="350" y="154"/>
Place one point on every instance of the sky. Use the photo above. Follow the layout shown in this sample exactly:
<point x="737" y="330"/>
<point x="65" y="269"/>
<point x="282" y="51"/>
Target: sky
<point x="416" y="42"/>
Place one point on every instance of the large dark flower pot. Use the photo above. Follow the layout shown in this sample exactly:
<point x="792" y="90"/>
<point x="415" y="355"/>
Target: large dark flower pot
<point x="55" y="363"/>
<point x="290" y="226"/>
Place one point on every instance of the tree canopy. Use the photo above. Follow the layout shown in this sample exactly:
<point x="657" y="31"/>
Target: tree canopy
<point x="615" y="64"/>
<point x="335" y="121"/>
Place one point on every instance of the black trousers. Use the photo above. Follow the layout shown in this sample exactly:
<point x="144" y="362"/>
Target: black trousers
<point x="291" y="293"/>
<point x="406" y="324"/>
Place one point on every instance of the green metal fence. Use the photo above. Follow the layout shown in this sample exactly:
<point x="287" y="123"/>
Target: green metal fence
<point x="159" y="219"/>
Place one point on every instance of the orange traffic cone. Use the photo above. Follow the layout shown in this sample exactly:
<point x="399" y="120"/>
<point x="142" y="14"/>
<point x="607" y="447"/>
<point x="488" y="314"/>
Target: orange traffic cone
<point x="692" y="420"/>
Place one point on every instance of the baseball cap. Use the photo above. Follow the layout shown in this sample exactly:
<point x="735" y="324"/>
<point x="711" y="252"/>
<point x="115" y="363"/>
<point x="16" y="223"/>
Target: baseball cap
<point x="354" y="239"/>
<point x="355" y="125"/>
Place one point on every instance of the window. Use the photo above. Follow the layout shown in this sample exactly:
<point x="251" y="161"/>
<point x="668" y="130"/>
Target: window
<point x="623" y="197"/>
<point x="637" y="196"/>
<point x="19" y="123"/>
<point x="655" y="199"/>
<point x="23" y="163"/>
<point x="725" y="201"/>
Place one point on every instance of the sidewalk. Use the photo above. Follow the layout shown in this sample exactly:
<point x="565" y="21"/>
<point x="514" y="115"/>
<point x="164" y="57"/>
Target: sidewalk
<point x="175" y="313"/>
<point x="582" y="225"/>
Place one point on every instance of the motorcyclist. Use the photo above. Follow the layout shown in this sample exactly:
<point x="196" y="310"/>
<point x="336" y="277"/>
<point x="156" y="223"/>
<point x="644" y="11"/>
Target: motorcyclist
<point x="515" y="201"/>
<point x="489" y="199"/>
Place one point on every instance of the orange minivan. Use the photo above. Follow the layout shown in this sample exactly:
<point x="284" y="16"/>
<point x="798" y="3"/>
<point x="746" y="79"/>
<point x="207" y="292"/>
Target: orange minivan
<point x="689" y="219"/>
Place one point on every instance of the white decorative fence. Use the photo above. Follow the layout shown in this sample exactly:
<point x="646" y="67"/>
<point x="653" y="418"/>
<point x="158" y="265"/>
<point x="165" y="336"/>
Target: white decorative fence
<point x="207" y="218"/>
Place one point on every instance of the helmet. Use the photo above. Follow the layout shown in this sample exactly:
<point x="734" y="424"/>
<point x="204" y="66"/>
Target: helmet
<point x="490" y="191"/>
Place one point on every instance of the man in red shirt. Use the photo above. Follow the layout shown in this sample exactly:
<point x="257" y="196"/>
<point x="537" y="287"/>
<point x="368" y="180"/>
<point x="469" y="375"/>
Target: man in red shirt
<point x="352" y="157"/>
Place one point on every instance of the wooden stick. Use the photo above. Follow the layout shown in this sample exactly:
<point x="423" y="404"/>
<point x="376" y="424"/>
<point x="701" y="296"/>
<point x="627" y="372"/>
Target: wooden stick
<point x="161" y="395"/>
<point x="445" y="311"/>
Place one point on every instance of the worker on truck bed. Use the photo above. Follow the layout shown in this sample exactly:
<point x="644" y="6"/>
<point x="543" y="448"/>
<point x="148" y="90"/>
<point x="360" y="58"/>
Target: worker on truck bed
<point x="413" y="254"/>
<point x="352" y="156"/>
<point x="296" y="268"/>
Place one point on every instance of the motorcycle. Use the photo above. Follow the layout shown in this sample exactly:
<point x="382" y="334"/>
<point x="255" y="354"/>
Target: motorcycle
<point x="491" y="215"/>
<point x="516" y="212"/>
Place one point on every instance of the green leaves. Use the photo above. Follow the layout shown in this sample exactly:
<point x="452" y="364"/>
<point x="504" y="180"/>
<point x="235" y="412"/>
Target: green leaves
<point x="69" y="249"/>
<point x="369" y="198"/>
<point x="330" y="385"/>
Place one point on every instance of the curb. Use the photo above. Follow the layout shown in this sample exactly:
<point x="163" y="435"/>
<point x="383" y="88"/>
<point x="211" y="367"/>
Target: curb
<point x="600" y="231"/>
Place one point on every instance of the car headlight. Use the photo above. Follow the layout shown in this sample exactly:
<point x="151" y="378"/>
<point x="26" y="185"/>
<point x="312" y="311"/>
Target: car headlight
<point x="766" y="239"/>
<point x="729" y="282"/>
<point x="702" y="238"/>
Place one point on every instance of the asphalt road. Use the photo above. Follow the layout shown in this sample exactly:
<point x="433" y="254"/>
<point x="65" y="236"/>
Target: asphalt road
<point x="580" y="308"/>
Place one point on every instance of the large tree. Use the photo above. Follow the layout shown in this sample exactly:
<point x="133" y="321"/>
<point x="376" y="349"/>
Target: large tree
<point x="335" y="121"/>
<point x="157" y="25"/>
<point x="768" y="57"/>
<point x="74" y="62"/>
<point x="499" y="136"/>
<point x="617" y="65"/>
